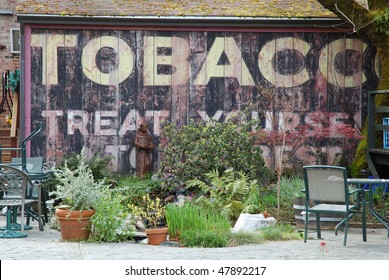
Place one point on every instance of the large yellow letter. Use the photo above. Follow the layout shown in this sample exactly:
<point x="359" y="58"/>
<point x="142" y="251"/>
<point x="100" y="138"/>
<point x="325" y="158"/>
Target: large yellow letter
<point x="237" y="67"/>
<point x="267" y="67"/>
<point x="117" y="75"/>
<point x="178" y="60"/>
<point x="50" y="44"/>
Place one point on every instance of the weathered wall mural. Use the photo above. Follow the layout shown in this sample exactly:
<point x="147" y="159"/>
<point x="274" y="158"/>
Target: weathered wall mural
<point x="94" y="87"/>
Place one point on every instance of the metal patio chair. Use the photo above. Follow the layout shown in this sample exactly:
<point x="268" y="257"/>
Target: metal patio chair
<point x="15" y="189"/>
<point x="327" y="191"/>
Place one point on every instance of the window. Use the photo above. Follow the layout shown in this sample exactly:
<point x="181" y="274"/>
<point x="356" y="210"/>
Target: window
<point x="15" y="41"/>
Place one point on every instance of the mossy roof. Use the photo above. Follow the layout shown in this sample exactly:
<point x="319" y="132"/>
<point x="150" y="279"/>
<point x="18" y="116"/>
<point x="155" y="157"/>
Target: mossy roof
<point x="177" y="8"/>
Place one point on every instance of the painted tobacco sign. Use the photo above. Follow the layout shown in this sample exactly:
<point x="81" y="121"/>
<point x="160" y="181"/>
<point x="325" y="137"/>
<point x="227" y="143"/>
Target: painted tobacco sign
<point x="94" y="87"/>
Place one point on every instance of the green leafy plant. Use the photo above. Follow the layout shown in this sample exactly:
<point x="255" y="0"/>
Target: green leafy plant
<point x="291" y="187"/>
<point x="382" y="19"/>
<point x="13" y="81"/>
<point x="152" y="211"/>
<point x="77" y="188"/>
<point x="111" y="223"/>
<point x="229" y="193"/>
<point x="193" y="150"/>
<point x="97" y="164"/>
<point x="132" y="188"/>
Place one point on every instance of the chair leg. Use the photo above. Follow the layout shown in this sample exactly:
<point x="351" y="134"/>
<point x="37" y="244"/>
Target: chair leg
<point x="306" y="222"/>
<point x="338" y="226"/>
<point x="44" y="207"/>
<point x="345" y="232"/>
<point x="318" y="225"/>
<point x="9" y="218"/>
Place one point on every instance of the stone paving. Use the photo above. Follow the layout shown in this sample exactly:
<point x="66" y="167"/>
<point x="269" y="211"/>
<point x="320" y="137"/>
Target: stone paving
<point x="47" y="245"/>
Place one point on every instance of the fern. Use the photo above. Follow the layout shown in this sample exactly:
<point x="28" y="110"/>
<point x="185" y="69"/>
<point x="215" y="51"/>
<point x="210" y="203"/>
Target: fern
<point x="228" y="193"/>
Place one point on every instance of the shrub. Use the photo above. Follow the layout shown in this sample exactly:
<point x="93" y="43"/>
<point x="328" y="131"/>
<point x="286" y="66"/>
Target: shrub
<point x="132" y="189"/>
<point x="78" y="188"/>
<point x="110" y="223"/>
<point x="97" y="164"/>
<point x="195" y="149"/>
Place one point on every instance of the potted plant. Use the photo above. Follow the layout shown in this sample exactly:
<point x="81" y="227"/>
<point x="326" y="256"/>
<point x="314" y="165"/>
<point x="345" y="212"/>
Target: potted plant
<point x="13" y="81"/>
<point x="152" y="212"/>
<point x="79" y="194"/>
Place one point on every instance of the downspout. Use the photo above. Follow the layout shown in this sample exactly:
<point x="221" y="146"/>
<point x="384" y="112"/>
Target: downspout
<point x="22" y="125"/>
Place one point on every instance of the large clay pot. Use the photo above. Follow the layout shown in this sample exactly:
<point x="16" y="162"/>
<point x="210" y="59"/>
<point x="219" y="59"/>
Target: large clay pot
<point x="74" y="224"/>
<point x="156" y="236"/>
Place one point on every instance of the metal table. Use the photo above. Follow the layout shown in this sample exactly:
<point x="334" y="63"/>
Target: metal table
<point x="361" y="182"/>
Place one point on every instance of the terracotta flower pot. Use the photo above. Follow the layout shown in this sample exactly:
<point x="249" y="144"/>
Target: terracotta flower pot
<point x="156" y="236"/>
<point x="74" y="224"/>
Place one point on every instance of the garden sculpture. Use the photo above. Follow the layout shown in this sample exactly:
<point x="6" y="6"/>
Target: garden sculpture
<point x="144" y="146"/>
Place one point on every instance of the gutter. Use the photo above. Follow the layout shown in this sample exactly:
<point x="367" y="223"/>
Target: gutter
<point x="6" y="12"/>
<point x="174" y="21"/>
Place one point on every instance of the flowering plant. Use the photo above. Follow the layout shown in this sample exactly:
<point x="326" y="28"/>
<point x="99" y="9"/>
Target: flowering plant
<point x="152" y="211"/>
<point x="323" y="249"/>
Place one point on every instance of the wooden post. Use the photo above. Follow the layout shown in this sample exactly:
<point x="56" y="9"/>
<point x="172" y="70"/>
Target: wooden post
<point x="15" y="113"/>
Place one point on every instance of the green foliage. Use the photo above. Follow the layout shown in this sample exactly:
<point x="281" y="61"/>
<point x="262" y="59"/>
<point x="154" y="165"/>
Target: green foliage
<point x="204" y="238"/>
<point x="152" y="211"/>
<point x="195" y="149"/>
<point x="132" y="188"/>
<point x="382" y="19"/>
<point x="13" y="81"/>
<point x="97" y="164"/>
<point x="110" y="223"/>
<point x="77" y="188"/>
<point x="245" y="238"/>
<point x="197" y="227"/>
<point x="229" y="193"/>
<point x="280" y="232"/>
<point x="291" y="187"/>
<point x="188" y="216"/>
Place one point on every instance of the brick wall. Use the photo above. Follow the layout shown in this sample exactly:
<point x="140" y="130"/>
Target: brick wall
<point x="8" y="61"/>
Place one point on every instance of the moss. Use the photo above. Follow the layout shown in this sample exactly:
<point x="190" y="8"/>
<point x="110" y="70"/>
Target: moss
<point x="178" y="8"/>
<point x="360" y="161"/>
<point x="362" y="16"/>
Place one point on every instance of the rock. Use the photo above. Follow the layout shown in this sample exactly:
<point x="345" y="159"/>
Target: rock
<point x="252" y="222"/>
